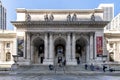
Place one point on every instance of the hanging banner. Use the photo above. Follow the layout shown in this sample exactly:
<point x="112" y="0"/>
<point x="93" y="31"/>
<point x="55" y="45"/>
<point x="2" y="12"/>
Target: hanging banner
<point x="20" y="45"/>
<point x="99" y="45"/>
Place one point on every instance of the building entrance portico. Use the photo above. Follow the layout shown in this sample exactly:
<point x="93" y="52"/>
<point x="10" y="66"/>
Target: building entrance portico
<point x="50" y="36"/>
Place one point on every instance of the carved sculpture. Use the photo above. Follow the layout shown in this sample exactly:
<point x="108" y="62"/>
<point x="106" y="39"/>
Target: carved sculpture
<point x="46" y="17"/>
<point x="74" y="17"/>
<point x="28" y="17"/>
<point x="51" y="17"/>
<point x="93" y="17"/>
<point x="69" y="17"/>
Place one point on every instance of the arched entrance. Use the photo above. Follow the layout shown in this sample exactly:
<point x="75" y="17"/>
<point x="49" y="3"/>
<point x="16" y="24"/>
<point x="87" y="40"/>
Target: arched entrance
<point x="60" y="45"/>
<point x="81" y="50"/>
<point x="38" y="52"/>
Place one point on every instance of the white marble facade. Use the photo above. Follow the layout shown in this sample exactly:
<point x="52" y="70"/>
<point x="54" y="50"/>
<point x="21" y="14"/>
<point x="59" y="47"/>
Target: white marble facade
<point x="52" y="34"/>
<point x="113" y="45"/>
<point x="45" y="36"/>
<point x="7" y="48"/>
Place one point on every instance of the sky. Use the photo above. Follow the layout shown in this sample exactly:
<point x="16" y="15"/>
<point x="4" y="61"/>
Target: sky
<point x="11" y="6"/>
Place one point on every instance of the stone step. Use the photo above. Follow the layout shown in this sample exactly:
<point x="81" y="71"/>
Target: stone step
<point x="60" y="72"/>
<point x="46" y="68"/>
<point x="75" y="68"/>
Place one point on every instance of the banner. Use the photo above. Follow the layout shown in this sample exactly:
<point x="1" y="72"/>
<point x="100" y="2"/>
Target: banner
<point x="20" y="45"/>
<point x="99" y="45"/>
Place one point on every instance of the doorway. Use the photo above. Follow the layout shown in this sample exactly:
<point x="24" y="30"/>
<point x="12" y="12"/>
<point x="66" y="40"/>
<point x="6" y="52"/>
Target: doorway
<point x="59" y="51"/>
<point x="81" y="50"/>
<point x="38" y="53"/>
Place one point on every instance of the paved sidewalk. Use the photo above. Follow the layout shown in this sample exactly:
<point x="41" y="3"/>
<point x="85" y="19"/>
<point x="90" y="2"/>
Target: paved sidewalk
<point x="116" y="73"/>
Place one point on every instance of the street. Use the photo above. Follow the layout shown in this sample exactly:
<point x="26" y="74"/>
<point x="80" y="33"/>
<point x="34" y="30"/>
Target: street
<point x="57" y="77"/>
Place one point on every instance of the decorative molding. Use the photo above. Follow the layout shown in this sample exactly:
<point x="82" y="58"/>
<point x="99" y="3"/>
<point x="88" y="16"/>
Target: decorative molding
<point x="67" y="23"/>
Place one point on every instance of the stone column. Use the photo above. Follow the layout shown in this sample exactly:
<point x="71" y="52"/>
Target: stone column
<point x="28" y="46"/>
<point x="46" y="46"/>
<point x="95" y="54"/>
<point x="91" y="46"/>
<point x="46" y="57"/>
<point x="32" y="51"/>
<point x="1" y="47"/>
<point x="68" y="50"/>
<point x="51" y="48"/>
<point x="88" y="53"/>
<point x="73" y="50"/>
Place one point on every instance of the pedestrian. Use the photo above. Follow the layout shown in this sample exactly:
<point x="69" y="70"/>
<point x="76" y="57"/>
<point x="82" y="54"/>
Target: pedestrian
<point x="104" y="68"/>
<point x="64" y="62"/>
<point x="86" y="66"/>
<point x="51" y="67"/>
<point x="92" y="67"/>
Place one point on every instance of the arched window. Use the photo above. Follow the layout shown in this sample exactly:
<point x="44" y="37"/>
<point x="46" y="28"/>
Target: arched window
<point x="8" y="56"/>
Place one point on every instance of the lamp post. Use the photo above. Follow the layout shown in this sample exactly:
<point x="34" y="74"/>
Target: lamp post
<point x="15" y="57"/>
<point x="15" y="65"/>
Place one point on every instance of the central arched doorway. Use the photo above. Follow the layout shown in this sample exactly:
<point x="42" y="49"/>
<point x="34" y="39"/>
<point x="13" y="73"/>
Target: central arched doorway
<point x="81" y="44"/>
<point x="60" y="45"/>
<point x="38" y="54"/>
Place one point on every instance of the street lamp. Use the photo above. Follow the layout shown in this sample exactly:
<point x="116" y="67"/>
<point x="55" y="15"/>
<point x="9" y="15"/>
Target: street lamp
<point x="15" y="65"/>
<point x="15" y="57"/>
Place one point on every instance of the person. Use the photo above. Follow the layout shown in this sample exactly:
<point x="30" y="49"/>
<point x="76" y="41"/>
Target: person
<point x="86" y="66"/>
<point x="92" y="67"/>
<point x="64" y="62"/>
<point x="104" y="68"/>
<point x="51" y="67"/>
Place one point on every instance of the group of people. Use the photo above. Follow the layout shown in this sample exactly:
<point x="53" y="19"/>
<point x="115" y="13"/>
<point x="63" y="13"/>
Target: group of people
<point x="61" y="62"/>
<point x="92" y="67"/>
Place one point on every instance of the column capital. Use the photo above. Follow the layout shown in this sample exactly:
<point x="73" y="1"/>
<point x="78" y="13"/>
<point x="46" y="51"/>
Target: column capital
<point x="45" y="33"/>
<point x="73" y="34"/>
<point x="68" y="33"/>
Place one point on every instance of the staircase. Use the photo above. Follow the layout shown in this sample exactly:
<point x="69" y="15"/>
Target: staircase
<point x="59" y="69"/>
<point x="44" y="69"/>
<point x="34" y="69"/>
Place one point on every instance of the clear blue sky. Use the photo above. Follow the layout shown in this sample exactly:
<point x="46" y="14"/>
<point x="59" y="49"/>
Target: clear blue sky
<point x="11" y="5"/>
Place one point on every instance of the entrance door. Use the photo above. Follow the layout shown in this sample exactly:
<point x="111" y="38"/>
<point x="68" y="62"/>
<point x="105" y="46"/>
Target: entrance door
<point x="38" y="53"/>
<point x="81" y="50"/>
<point x="59" y="51"/>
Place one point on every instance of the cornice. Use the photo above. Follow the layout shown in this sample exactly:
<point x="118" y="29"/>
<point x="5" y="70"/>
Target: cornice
<point x="112" y="34"/>
<point x="60" y="11"/>
<point x="65" y="23"/>
<point x="8" y="35"/>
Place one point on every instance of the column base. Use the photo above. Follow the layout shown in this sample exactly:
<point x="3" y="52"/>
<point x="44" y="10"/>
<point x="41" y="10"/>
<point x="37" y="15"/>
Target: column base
<point x="48" y="62"/>
<point x="71" y="62"/>
<point x="23" y="61"/>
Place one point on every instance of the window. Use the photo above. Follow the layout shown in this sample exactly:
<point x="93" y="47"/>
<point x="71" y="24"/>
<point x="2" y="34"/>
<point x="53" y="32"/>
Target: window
<point x="8" y="45"/>
<point x="8" y="56"/>
<point x="111" y="45"/>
